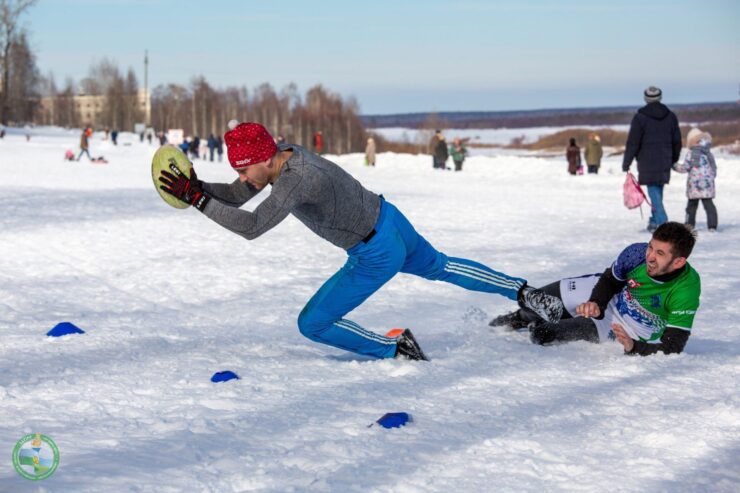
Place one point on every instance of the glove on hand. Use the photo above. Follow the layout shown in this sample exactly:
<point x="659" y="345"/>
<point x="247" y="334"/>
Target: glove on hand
<point x="189" y="190"/>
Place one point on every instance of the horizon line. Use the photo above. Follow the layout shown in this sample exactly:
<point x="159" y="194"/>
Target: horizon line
<point x="572" y="108"/>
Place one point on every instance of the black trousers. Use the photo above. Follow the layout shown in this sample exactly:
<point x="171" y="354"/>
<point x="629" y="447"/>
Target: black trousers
<point x="566" y="330"/>
<point x="709" y="208"/>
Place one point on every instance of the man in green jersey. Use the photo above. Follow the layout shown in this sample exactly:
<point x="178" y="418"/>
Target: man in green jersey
<point x="646" y="300"/>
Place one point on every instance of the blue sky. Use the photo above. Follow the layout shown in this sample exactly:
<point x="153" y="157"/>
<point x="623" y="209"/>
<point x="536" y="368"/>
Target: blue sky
<point x="411" y="56"/>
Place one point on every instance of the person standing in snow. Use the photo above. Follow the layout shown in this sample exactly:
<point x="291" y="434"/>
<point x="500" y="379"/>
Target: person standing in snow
<point x="655" y="141"/>
<point x="646" y="300"/>
<point x="378" y="239"/>
<point x="220" y="148"/>
<point x="370" y="152"/>
<point x="458" y="151"/>
<point x="211" y="147"/>
<point x="573" y="155"/>
<point x="440" y="152"/>
<point x="593" y="153"/>
<point x="318" y="142"/>
<point x="432" y="146"/>
<point x="702" y="170"/>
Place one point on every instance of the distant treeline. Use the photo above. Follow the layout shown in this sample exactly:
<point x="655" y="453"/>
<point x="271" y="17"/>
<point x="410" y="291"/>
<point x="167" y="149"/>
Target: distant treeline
<point x="201" y="109"/>
<point x="704" y="112"/>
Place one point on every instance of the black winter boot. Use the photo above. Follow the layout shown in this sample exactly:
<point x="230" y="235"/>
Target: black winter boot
<point x="512" y="320"/>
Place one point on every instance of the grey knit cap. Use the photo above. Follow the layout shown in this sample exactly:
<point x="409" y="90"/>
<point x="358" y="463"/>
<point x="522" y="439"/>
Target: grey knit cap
<point x="652" y="94"/>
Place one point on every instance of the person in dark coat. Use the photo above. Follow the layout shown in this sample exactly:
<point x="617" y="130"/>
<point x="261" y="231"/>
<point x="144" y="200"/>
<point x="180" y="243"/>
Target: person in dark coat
<point x="440" y="152"/>
<point x="220" y="148"/>
<point x="655" y="140"/>
<point x="211" y="146"/>
<point x="432" y="146"/>
<point x="573" y="155"/>
<point x="194" y="146"/>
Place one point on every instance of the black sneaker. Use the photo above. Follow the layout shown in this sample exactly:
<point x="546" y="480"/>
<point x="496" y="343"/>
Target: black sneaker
<point x="549" y="308"/>
<point x="407" y="347"/>
<point x="513" y="320"/>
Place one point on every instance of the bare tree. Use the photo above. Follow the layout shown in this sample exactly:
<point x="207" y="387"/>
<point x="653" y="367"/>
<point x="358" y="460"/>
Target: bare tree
<point x="66" y="113"/>
<point x="25" y="81"/>
<point x="10" y="13"/>
<point x="133" y="111"/>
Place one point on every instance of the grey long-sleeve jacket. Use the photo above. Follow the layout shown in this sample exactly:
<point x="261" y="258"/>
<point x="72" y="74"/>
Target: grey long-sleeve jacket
<point x="319" y="193"/>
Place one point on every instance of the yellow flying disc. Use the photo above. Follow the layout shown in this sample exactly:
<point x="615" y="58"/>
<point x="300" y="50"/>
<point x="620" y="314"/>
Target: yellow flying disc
<point x="164" y="157"/>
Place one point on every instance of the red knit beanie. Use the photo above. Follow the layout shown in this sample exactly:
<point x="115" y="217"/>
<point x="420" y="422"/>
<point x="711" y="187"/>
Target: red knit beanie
<point x="248" y="143"/>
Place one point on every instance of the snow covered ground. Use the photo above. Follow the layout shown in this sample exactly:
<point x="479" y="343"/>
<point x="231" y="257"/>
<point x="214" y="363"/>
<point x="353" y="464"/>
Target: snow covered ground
<point x="168" y="298"/>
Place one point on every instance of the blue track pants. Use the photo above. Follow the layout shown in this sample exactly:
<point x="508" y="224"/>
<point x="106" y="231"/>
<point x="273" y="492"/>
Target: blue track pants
<point x="396" y="247"/>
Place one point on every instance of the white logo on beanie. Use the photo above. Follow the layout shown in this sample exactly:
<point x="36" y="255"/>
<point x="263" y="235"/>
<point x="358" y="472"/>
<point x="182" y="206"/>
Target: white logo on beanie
<point x="243" y="161"/>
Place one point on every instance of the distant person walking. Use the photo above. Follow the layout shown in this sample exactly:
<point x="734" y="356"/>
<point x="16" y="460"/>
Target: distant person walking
<point x="440" y="152"/>
<point x="458" y="151"/>
<point x="593" y="153"/>
<point x="220" y="148"/>
<point x="655" y="140"/>
<point x="432" y="146"/>
<point x="211" y="146"/>
<point x="194" y="147"/>
<point x="114" y="137"/>
<point x="318" y="142"/>
<point x="185" y="146"/>
<point x="370" y="152"/>
<point x="702" y="171"/>
<point x="85" y="143"/>
<point x="573" y="155"/>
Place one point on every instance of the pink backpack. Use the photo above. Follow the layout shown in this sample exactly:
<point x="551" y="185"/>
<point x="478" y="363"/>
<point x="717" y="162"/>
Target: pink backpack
<point x="633" y="194"/>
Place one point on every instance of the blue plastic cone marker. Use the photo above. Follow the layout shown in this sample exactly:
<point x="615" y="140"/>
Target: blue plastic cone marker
<point x="63" y="329"/>
<point x="224" y="376"/>
<point x="394" y="420"/>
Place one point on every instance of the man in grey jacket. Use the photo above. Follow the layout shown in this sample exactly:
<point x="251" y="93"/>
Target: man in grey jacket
<point x="377" y="237"/>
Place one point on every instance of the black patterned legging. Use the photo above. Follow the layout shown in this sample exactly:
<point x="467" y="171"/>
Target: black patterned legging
<point x="566" y="330"/>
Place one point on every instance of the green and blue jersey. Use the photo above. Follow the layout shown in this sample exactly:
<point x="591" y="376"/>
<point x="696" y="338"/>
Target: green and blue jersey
<point x="646" y="306"/>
